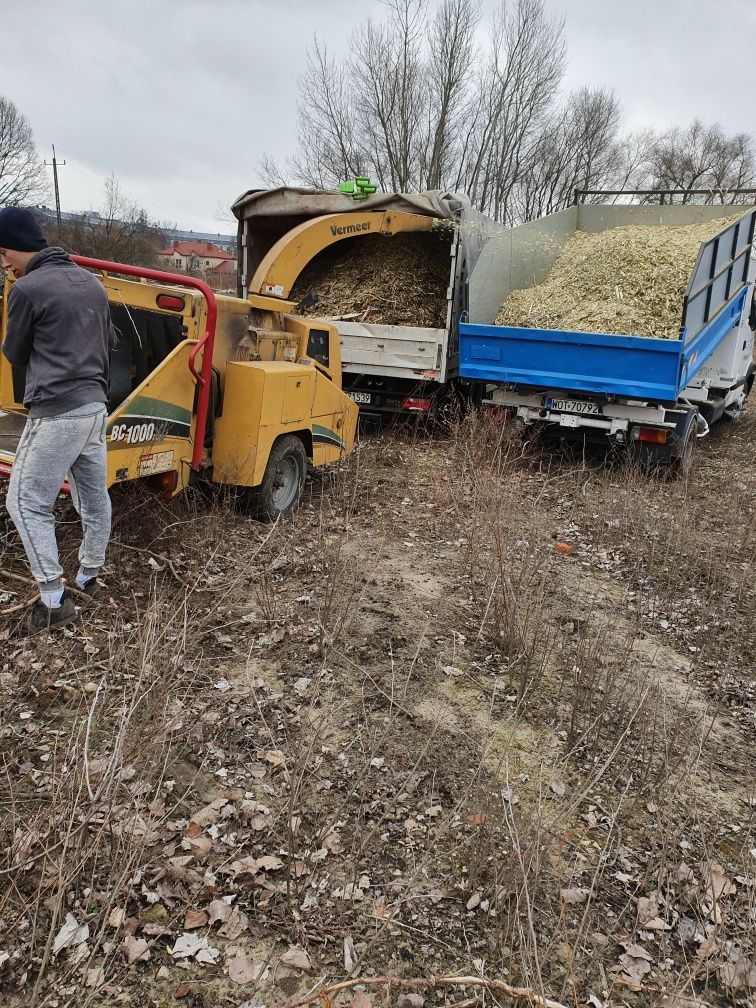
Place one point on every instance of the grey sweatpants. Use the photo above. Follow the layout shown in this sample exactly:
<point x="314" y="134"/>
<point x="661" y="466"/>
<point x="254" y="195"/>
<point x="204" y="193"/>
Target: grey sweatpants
<point x="52" y="448"/>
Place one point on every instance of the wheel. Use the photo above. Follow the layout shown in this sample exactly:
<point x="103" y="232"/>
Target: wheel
<point x="279" y="493"/>
<point x="681" y="467"/>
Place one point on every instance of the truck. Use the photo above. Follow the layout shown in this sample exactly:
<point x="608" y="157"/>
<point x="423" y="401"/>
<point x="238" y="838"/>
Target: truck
<point x="652" y="397"/>
<point x="206" y="388"/>
<point x="386" y="369"/>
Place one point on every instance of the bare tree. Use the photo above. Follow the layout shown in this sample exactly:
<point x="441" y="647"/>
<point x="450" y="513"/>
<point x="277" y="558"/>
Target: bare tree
<point x="414" y="106"/>
<point x="389" y="93"/>
<point x="418" y="103"/>
<point x="450" y="78"/>
<point x="328" y="151"/>
<point x="22" y="175"/>
<point x="702" y="157"/>
<point x="579" y="148"/>
<point x="514" y="94"/>
<point x="121" y="231"/>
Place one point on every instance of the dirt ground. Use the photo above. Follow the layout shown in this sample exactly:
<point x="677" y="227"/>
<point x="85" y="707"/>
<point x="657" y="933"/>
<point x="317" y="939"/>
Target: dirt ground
<point x="481" y="717"/>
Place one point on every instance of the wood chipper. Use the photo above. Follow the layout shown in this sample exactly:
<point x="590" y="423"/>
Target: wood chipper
<point x="227" y="390"/>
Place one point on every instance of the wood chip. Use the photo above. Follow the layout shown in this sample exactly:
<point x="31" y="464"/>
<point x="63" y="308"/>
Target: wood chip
<point x="624" y="281"/>
<point x="381" y="279"/>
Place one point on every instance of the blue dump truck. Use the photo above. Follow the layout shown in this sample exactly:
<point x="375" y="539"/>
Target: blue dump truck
<point x="654" y="396"/>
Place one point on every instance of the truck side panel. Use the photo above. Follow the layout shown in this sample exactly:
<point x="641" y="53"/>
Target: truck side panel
<point x="629" y="366"/>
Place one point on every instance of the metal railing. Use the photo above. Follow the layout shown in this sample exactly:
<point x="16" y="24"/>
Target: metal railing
<point x="714" y="195"/>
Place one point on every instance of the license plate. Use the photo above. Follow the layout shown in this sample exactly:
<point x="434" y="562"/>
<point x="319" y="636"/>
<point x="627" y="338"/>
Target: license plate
<point x="572" y="406"/>
<point x="360" y="397"/>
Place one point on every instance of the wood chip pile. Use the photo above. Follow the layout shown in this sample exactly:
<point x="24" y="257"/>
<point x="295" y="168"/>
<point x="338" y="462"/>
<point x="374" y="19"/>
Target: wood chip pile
<point x="627" y="281"/>
<point x="382" y="279"/>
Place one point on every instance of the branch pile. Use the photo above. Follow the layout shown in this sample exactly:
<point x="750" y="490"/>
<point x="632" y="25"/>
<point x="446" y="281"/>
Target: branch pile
<point x="627" y="281"/>
<point x="382" y="279"/>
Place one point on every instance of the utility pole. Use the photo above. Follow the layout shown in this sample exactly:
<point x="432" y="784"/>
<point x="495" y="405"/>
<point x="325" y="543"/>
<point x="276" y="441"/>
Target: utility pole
<point x="57" y="191"/>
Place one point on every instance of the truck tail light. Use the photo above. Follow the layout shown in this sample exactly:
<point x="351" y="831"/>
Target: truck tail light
<point x="414" y="405"/>
<point x="164" y="483"/>
<point x="171" y="302"/>
<point x="652" y="435"/>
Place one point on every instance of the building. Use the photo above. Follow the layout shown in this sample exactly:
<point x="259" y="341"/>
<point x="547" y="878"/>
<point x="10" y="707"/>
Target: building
<point x="226" y="242"/>
<point x="223" y="277"/>
<point x="196" y="257"/>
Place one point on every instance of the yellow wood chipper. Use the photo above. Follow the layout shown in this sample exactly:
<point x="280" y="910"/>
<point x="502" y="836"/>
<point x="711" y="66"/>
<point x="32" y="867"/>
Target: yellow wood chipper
<point x="234" y="391"/>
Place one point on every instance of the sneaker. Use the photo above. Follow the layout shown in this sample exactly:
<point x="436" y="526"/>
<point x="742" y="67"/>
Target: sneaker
<point x="93" y="588"/>
<point x="43" y="618"/>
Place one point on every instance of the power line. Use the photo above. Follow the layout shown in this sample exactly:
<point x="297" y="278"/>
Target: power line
<point x="57" y="191"/>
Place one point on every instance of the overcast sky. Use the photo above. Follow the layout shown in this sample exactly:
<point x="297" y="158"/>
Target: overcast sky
<point x="179" y="98"/>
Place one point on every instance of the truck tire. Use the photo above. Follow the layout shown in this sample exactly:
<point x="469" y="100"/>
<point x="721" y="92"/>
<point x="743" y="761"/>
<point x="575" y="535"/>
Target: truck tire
<point x="681" y="466"/>
<point x="279" y="493"/>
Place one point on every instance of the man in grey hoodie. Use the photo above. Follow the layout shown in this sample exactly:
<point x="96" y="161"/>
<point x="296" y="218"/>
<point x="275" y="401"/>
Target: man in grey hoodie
<point x="58" y="329"/>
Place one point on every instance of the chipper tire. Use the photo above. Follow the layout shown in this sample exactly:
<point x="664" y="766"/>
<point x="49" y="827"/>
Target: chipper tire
<point x="279" y="493"/>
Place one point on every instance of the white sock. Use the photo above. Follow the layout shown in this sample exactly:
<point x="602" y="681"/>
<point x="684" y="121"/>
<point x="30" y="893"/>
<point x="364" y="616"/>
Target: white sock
<point x="83" y="579"/>
<point x="52" y="599"/>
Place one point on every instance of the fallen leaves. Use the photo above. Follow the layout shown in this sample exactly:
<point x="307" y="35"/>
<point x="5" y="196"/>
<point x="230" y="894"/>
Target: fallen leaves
<point x="71" y="934"/>
<point x="716" y="882"/>
<point x="188" y="946"/>
<point x="116" y="917"/>
<point x="195" y="919"/>
<point x="136" y="949"/>
<point x="361" y="1000"/>
<point x="219" y="910"/>
<point x="240" y="969"/>
<point x="648" y="914"/>
<point x="635" y="962"/>
<point x="634" y="969"/>
<point x="210" y="813"/>
<point x="236" y="924"/>
<point x="574" y="896"/>
<point x="297" y="958"/>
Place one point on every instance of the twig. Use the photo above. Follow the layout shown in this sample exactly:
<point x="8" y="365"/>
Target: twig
<point x="87" y="732"/>
<point x="156" y="557"/>
<point x="18" y="577"/>
<point x="71" y="589"/>
<point x="500" y="986"/>
<point x="19" y="606"/>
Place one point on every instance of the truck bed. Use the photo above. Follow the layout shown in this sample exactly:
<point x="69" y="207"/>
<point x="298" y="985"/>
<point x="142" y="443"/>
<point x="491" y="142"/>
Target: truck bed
<point x="398" y="351"/>
<point x="632" y="367"/>
<point x="628" y="366"/>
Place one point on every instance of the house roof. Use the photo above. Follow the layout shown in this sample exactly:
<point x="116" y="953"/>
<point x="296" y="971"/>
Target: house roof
<point x="207" y="249"/>
<point x="228" y="266"/>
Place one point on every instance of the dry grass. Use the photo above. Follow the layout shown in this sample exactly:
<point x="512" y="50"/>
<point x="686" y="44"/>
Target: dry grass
<point x="627" y="280"/>
<point x="466" y="755"/>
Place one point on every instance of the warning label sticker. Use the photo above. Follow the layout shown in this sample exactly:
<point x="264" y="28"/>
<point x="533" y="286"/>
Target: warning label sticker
<point x="155" y="463"/>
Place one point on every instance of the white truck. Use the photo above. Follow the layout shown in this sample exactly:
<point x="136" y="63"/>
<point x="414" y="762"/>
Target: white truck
<point x="386" y="369"/>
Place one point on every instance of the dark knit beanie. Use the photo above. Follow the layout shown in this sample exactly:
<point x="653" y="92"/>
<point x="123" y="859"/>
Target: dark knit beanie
<point x="19" y="231"/>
